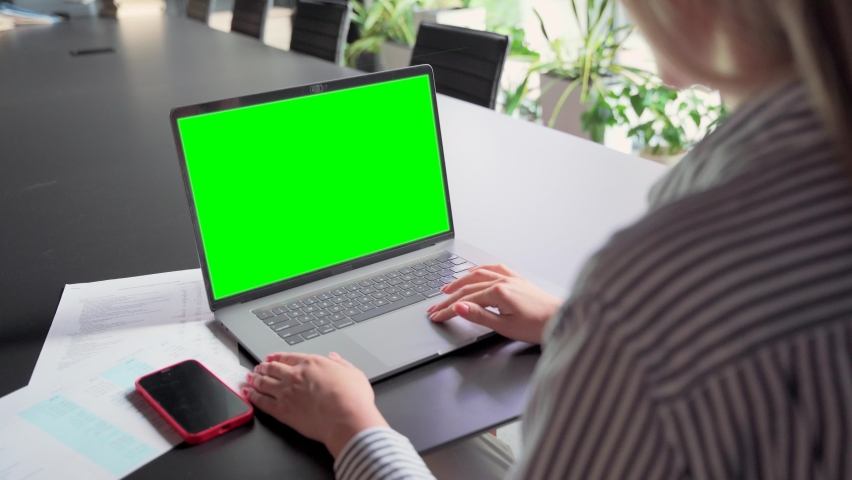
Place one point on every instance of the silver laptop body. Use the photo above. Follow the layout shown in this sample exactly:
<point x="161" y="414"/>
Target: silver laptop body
<point x="380" y="346"/>
<point x="398" y="334"/>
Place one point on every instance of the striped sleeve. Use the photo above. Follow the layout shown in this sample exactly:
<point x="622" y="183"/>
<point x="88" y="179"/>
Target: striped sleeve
<point x="380" y="454"/>
<point x="590" y="415"/>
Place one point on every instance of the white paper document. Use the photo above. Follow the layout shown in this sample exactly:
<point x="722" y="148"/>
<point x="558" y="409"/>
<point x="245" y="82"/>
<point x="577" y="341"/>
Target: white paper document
<point x="93" y="424"/>
<point x="98" y="317"/>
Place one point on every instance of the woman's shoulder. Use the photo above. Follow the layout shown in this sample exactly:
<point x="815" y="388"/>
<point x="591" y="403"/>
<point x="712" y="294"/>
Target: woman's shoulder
<point x="770" y="251"/>
<point x="761" y="215"/>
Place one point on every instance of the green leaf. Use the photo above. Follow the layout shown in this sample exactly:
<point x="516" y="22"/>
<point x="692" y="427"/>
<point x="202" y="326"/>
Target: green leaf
<point x="402" y="8"/>
<point x="514" y="100"/>
<point x="603" y="113"/>
<point x="597" y="133"/>
<point x="587" y="120"/>
<point x="375" y="13"/>
<point x="672" y="136"/>
<point x="642" y="133"/>
<point x="638" y="104"/>
<point x="696" y="117"/>
<point x="541" y="24"/>
<point x="602" y="10"/>
<point x="576" y="14"/>
<point x="358" y="11"/>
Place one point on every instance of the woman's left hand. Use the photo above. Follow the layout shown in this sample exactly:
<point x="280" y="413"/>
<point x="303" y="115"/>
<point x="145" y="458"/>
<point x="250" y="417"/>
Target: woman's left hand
<point x="325" y="399"/>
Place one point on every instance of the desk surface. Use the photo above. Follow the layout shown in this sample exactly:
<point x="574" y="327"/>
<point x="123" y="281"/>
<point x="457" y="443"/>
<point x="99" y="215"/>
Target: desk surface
<point x="91" y="190"/>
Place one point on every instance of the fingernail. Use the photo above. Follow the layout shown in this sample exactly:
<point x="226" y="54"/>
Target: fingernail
<point x="248" y="377"/>
<point x="432" y="317"/>
<point x="461" y="308"/>
<point x="245" y="392"/>
<point x="429" y="310"/>
<point x="257" y="368"/>
<point x="443" y="288"/>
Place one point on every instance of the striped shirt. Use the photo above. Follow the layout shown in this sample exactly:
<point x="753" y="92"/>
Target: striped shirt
<point x="713" y="338"/>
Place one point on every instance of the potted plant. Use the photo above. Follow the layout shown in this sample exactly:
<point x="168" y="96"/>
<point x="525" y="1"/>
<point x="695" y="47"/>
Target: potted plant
<point x="383" y="22"/>
<point x="664" y="123"/>
<point x="590" y="64"/>
<point x="628" y="106"/>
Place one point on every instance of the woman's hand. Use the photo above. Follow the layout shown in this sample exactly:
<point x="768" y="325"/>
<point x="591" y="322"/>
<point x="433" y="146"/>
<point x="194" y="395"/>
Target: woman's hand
<point x="524" y="308"/>
<point x="325" y="399"/>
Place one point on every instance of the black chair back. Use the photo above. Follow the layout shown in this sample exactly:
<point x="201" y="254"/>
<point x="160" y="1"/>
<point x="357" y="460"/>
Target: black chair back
<point x="320" y="29"/>
<point x="467" y="63"/>
<point x="199" y="9"/>
<point x="250" y="17"/>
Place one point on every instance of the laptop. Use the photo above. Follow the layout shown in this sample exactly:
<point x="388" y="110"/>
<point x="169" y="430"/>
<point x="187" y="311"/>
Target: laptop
<point x="323" y="221"/>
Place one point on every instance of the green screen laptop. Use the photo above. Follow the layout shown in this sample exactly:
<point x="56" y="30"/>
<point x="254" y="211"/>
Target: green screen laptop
<point x="323" y="221"/>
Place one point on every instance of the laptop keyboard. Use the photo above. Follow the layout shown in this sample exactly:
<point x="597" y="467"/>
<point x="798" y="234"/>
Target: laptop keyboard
<point x="345" y="305"/>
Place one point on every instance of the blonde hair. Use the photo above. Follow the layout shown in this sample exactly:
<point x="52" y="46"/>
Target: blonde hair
<point x="812" y="36"/>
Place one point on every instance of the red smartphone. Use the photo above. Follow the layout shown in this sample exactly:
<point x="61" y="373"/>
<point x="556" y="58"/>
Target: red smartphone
<point x="194" y="401"/>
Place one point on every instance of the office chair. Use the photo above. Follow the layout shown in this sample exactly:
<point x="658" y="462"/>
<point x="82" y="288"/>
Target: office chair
<point x="320" y="29"/>
<point x="199" y="9"/>
<point x="467" y="63"/>
<point x="250" y="17"/>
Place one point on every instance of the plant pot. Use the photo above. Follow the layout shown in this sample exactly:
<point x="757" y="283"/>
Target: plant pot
<point x="367" y="62"/>
<point x="568" y="117"/>
<point x="393" y="55"/>
<point x="473" y="18"/>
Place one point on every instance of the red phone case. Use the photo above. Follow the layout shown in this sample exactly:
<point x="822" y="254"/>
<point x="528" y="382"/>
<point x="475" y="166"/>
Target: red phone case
<point x="203" y="436"/>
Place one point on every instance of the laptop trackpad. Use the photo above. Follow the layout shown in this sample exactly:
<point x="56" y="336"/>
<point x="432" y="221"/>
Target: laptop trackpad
<point x="407" y="336"/>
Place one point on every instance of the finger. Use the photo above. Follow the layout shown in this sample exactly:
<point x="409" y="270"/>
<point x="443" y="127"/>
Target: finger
<point x="496" y="268"/>
<point x="461" y="293"/>
<point x="287" y="358"/>
<point x="484" y="298"/>
<point x="264" y="384"/>
<point x="278" y="370"/>
<point x="260" y="400"/>
<point x="337" y="358"/>
<point x="476" y="314"/>
<point x="475" y="277"/>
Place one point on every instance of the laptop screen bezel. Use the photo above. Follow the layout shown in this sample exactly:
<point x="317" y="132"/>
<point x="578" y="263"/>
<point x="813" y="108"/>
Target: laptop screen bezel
<point x="286" y="94"/>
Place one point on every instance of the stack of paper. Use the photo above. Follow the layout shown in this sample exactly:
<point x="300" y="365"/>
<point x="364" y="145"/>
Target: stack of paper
<point x="94" y="318"/>
<point x="132" y="8"/>
<point x="91" y="423"/>
<point x="22" y="16"/>
<point x="81" y="413"/>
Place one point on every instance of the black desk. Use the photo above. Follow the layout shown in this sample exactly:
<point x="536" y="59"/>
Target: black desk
<point x="90" y="190"/>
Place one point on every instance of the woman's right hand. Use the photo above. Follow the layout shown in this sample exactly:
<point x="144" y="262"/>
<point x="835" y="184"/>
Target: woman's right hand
<point x="524" y="308"/>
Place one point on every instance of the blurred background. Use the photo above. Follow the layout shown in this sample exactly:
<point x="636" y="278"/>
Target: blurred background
<point x="578" y="66"/>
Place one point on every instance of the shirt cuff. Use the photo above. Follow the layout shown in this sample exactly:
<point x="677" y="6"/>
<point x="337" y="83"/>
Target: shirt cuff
<point x="376" y="452"/>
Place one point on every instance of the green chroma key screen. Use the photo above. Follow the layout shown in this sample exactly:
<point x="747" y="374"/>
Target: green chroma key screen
<point x="290" y="187"/>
